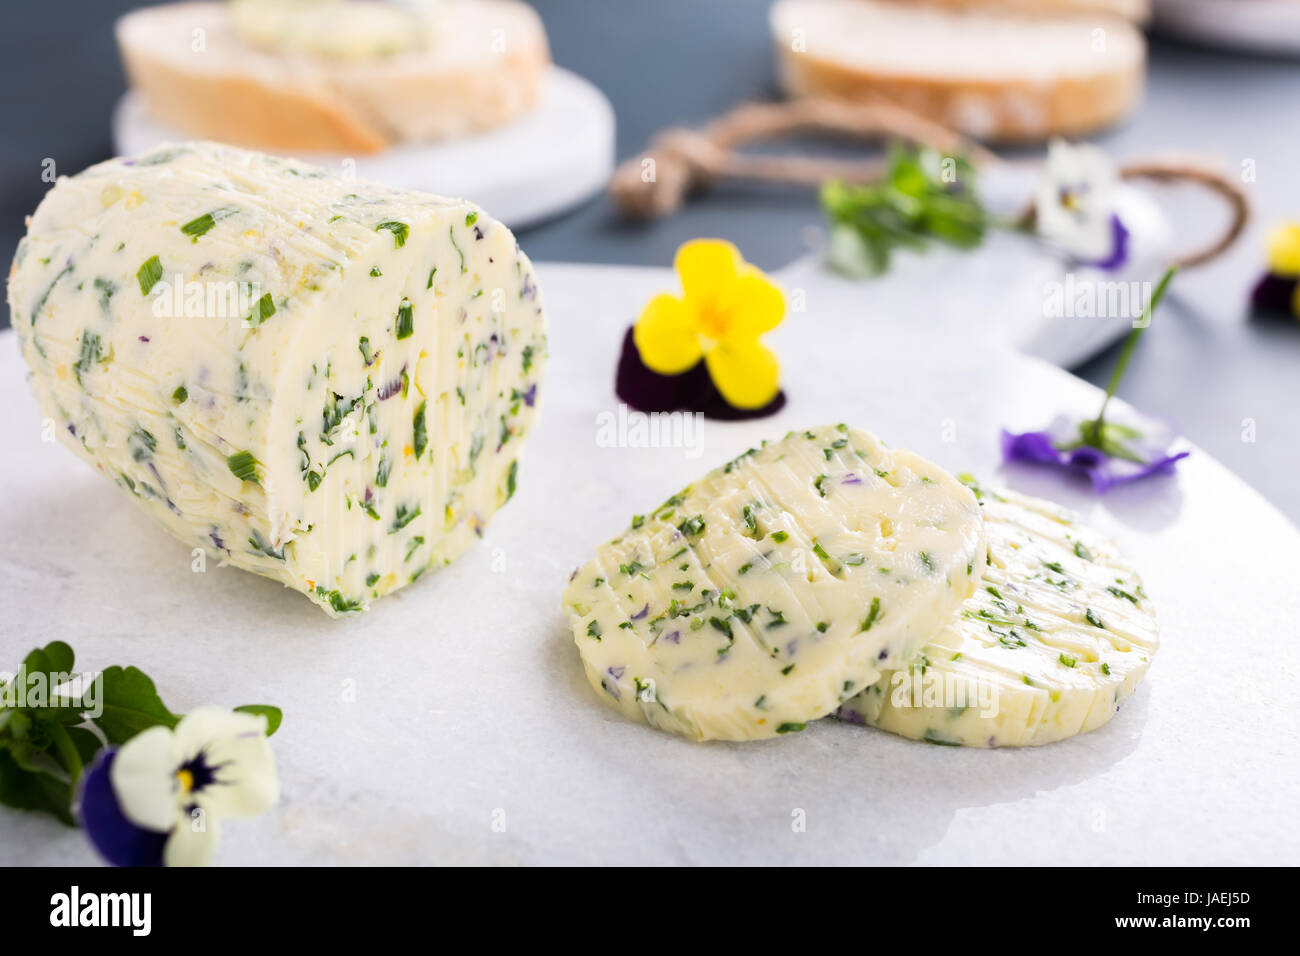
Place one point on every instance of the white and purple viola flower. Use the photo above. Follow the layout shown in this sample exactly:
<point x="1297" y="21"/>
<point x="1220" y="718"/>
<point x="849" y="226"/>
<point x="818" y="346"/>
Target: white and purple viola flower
<point x="1077" y="206"/>
<point x="157" y="800"/>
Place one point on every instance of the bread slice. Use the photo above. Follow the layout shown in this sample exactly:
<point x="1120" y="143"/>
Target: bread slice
<point x="1136" y="10"/>
<point x="992" y="76"/>
<point x="198" y="74"/>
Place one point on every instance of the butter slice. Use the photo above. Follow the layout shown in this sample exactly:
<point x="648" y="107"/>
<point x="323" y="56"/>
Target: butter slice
<point x="1059" y="632"/>
<point x="776" y="587"/>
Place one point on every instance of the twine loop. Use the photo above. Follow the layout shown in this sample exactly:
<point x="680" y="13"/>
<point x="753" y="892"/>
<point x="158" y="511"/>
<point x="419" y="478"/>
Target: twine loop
<point x="680" y="161"/>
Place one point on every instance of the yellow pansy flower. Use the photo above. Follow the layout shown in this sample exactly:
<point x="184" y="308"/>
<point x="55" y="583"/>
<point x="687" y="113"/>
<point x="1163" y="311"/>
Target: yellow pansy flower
<point x="726" y="304"/>
<point x="1284" y="250"/>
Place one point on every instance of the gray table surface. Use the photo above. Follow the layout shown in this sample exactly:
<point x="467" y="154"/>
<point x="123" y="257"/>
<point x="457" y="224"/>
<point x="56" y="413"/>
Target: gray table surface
<point x="1222" y="375"/>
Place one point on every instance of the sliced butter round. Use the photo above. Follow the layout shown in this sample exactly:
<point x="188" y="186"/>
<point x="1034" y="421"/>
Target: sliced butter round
<point x="333" y="28"/>
<point x="1057" y="634"/>
<point x="773" y="589"/>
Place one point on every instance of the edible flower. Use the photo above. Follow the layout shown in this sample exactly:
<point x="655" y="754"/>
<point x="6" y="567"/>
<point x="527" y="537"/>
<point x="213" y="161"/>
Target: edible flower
<point x="1075" y="207"/>
<point x="713" y="328"/>
<point x="1135" y="448"/>
<point x="1279" y="289"/>
<point x="157" y="799"/>
<point x="1109" y="452"/>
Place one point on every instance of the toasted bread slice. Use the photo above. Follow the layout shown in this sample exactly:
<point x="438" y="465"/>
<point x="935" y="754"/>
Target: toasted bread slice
<point x="993" y="76"/>
<point x="1136" y="10"/>
<point x="198" y="74"/>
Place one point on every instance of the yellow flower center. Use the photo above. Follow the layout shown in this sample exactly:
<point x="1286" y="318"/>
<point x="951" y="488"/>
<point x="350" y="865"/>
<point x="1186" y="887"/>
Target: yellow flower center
<point x="725" y="306"/>
<point x="714" y="322"/>
<point x="186" y="780"/>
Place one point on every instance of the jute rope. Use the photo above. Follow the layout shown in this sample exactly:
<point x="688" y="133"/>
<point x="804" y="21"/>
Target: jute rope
<point x="1215" y="181"/>
<point x="680" y="160"/>
<point x="685" y="159"/>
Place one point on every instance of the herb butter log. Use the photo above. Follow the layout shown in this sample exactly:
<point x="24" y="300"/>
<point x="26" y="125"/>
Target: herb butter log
<point x="776" y="587"/>
<point x="1059" y="632"/>
<point x="323" y="382"/>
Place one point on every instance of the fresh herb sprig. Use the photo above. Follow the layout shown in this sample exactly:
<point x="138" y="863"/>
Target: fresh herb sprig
<point x="51" y="730"/>
<point x="1107" y="436"/>
<point x="922" y="197"/>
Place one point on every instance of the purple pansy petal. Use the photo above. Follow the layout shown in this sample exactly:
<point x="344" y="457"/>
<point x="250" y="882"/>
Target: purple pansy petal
<point x="693" y="391"/>
<point x="851" y="716"/>
<point x="1035" y="447"/>
<point x="1103" y="470"/>
<point x="118" y="840"/>
<point x="1275" y="293"/>
<point x="1119" y="247"/>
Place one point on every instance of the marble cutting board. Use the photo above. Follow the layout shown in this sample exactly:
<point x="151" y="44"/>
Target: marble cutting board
<point x="452" y="723"/>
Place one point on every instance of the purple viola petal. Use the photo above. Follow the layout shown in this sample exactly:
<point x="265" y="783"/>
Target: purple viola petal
<point x="1274" y="293"/>
<point x="1035" y="447"/>
<point x="693" y="391"/>
<point x="851" y="479"/>
<point x="530" y="395"/>
<point x="163" y="487"/>
<point x="118" y="840"/>
<point x="673" y="637"/>
<point x="617" y="672"/>
<point x="641" y="613"/>
<point x="1103" y="470"/>
<point x="851" y="716"/>
<point x="1119" y="248"/>
<point x="390" y="389"/>
<point x="611" y="689"/>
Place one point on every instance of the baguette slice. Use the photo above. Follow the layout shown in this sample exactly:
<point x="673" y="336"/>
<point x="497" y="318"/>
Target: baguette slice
<point x="1137" y="10"/>
<point x="991" y="76"/>
<point x="198" y="74"/>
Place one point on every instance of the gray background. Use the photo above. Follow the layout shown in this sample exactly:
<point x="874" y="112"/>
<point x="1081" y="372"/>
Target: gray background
<point x="1206" y="364"/>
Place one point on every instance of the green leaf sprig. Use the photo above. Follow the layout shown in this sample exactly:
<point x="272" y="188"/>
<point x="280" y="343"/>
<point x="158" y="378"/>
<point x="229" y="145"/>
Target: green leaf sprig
<point x="46" y="744"/>
<point x="1109" y="437"/>
<point x="915" y="202"/>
